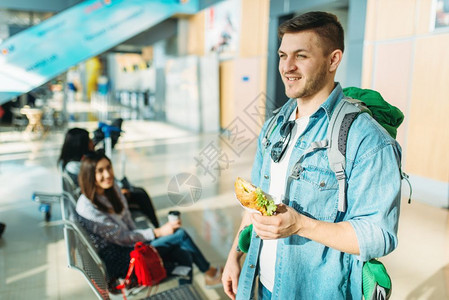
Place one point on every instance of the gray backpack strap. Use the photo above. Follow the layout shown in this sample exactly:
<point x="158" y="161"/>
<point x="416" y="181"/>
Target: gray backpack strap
<point x="344" y="114"/>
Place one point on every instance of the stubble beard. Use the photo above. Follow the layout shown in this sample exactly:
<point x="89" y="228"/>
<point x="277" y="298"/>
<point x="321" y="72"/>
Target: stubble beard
<point x="312" y="85"/>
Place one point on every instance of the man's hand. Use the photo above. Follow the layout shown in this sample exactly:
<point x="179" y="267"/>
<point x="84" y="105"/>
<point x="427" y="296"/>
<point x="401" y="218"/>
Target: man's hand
<point x="167" y="229"/>
<point x="231" y="272"/>
<point x="284" y="223"/>
<point x="230" y="276"/>
<point x="287" y="221"/>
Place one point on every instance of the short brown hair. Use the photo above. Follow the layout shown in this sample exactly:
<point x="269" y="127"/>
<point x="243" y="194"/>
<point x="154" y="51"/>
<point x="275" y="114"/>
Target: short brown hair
<point x="326" y="25"/>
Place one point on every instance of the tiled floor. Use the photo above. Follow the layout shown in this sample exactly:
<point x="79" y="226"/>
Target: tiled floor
<point x="33" y="262"/>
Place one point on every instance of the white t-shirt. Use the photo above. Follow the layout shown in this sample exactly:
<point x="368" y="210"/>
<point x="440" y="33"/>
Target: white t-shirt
<point x="267" y="259"/>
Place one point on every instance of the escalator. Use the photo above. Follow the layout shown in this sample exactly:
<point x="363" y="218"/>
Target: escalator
<point x="38" y="54"/>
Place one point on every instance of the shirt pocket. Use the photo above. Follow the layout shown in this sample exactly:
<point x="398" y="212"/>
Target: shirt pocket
<point x="315" y="192"/>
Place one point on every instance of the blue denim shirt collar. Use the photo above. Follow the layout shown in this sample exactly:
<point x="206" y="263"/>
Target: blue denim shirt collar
<point x="286" y="110"/>
<point x="328" y="106"/>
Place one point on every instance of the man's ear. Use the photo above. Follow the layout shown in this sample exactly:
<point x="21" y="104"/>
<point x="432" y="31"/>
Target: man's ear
<point x="335" y="59"/>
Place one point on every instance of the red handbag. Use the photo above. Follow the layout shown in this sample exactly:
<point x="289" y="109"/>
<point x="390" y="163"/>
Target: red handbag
<point x="147" y="265"/>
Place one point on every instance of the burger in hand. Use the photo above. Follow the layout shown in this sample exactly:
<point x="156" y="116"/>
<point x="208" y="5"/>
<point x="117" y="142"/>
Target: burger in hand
<point x="253" y="197"/>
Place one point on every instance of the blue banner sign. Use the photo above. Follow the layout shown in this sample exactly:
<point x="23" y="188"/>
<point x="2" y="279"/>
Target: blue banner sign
<point x="38" y="54"/>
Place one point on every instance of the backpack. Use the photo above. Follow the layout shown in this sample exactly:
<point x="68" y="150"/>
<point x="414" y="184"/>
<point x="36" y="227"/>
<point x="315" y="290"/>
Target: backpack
<point x="147" y="265"/>
<point x="376" y="282"/>
<point x="346" y="111"/>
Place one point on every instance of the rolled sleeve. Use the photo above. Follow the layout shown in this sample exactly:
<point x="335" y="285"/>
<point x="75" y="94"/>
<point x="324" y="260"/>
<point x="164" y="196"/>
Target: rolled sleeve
<point x="373" y="241"/>
<point x="374" y="191"/>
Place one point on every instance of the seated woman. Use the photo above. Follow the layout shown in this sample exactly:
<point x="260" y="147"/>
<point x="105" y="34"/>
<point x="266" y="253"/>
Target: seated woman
<point x="76" y="144"/>
<point x="104" y="205"/>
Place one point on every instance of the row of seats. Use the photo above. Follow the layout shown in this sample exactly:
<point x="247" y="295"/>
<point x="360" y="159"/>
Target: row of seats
<point x="82" y="254"/>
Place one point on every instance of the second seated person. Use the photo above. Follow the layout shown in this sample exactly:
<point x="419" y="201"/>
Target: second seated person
<point x="77" y="143"/>
<point x="103" y="205"/>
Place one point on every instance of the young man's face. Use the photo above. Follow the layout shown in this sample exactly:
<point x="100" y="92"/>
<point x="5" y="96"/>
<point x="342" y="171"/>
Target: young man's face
<point x="104" y="175"/>
<point x="303" y="67"/>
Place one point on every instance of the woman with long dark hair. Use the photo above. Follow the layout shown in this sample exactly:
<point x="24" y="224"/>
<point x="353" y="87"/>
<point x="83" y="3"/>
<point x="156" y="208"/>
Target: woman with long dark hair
<point x="77" y="143"/>
<point x="105" y="208"/>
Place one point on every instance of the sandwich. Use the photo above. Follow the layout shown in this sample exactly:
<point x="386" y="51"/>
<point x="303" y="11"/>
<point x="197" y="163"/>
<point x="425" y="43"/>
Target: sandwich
<point x="253" y="197"/>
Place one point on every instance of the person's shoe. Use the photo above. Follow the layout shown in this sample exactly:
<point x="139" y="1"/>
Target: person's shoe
<point x="214" y="281"/>
<point x="2" y="228"/>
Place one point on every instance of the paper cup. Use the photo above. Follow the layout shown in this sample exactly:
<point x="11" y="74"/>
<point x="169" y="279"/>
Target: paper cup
<point x="174" y="216"/>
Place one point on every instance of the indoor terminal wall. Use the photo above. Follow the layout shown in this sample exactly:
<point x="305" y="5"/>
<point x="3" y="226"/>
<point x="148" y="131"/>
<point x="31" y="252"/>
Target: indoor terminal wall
<point x="407" y="62"/>
<point x="242" y="77"/>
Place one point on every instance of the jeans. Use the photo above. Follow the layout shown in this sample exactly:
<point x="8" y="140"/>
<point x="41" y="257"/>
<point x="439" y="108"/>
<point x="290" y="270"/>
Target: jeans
<point x="264" y="293"/>
<point x="179" y="249"/>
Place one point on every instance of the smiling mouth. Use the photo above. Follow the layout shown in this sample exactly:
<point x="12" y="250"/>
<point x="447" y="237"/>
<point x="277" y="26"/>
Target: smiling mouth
<point x="290" y="77"/>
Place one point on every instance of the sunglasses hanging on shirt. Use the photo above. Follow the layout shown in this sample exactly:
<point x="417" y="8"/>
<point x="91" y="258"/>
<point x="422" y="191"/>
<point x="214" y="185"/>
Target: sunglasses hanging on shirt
<point x="278" y="149"/>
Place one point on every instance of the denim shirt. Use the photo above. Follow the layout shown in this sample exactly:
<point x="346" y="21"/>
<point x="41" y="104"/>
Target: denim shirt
<point x="306" y="269"/>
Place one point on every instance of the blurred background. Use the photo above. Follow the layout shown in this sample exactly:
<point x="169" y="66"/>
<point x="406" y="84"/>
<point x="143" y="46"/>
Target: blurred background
<point x="194" y="80"/>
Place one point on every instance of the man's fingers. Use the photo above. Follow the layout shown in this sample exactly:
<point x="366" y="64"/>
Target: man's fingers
<point x="268" y="220"/>
<point x="230" y="279"/>
<point x="234" y="287"/>
<point x="265" y="232"/>
<point x="264" y="227"/>
<point x="257" y="218"/>
<point x="229" y="289"/>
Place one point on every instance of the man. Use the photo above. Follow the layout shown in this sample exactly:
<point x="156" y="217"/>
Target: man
<point x="309" y="249"/>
